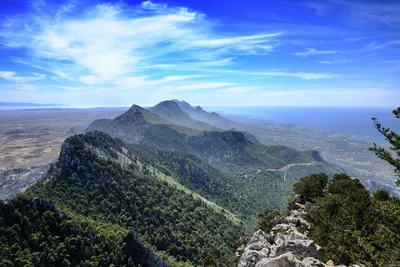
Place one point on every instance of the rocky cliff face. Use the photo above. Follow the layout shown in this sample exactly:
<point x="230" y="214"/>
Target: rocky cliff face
<point x="287" y="245"/>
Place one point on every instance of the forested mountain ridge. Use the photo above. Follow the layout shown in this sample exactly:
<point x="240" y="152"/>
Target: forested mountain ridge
<point x="99" y="180"/>
<point x="258" y="175"/>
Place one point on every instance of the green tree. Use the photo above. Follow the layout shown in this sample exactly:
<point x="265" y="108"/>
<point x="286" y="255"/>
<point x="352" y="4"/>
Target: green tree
<point x="381" y="195"/>
<point x="311" y="187"/>
<point x="391" y="156"/>
<point x="267" y="219"/>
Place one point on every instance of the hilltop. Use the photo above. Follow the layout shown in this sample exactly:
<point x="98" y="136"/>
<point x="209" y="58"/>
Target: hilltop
<point x="172" y="112"/>
<point x="200" y="114"/>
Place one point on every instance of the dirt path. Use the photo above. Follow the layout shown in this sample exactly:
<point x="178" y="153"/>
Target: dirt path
<point x="287" y="167"/>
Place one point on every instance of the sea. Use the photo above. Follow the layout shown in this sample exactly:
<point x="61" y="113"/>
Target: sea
<point x="351" y="121"/>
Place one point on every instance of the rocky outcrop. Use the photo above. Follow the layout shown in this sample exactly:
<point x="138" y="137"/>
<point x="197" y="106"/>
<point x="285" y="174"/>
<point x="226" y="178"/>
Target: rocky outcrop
<point x="287" y="245"/>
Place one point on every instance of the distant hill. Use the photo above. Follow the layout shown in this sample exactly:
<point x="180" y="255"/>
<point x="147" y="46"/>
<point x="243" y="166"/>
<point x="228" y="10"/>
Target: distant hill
<point x="171" y="111"/>
<point x="211" y="118"/>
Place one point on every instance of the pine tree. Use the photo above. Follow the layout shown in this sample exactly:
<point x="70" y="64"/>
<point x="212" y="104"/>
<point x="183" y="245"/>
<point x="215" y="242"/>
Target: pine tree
<point x="391" y="156"/>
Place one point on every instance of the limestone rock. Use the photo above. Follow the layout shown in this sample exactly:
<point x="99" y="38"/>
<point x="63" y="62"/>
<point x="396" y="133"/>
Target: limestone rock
<point x="251" y="257"/>
<point x="285" y="260"/>
<point x="284" y="246"/>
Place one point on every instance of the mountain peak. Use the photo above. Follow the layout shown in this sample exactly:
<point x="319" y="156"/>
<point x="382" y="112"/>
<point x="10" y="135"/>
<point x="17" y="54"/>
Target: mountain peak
<point x="135" y="107"/>
<point x="169" y="110"/>
<point x="168" y="103"/>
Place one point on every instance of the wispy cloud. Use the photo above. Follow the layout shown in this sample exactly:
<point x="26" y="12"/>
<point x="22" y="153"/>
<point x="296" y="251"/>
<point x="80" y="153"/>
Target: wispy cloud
<point x="109" y="42"/>
<point x="378" y="46"/>
<point x="197" y="86"/>
<point x="312" y="52"/>
<point x="332" y="61"/>
<point x="12" y="76"/>
<point x="301" y="75"/>
<point x="372" y="11"/>
<point x="319" y="8"/>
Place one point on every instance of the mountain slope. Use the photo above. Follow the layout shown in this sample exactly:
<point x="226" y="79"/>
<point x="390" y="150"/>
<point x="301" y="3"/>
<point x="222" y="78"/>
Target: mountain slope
<point x="199" y="114"/>
<point x="35" y="233"/>
<point x="101" y="180"/>
<point x="171" y="111"/>
<point x="140" y="126"/>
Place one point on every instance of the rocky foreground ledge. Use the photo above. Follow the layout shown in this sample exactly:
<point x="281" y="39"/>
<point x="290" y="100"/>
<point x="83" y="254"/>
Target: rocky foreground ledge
<point x="287" y="245"/>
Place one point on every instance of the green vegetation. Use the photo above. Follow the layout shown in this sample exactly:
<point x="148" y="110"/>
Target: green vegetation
<point x="267" y="220"/>
<point x="393" y="156"/>
<point x="312" y="186"/>
<point x="34" y="233"/>
<point x="98" y="180"/>
<point x="350" y="225"/>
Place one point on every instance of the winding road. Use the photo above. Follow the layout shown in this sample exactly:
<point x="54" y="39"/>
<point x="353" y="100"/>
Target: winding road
<point x="287" y="167"/>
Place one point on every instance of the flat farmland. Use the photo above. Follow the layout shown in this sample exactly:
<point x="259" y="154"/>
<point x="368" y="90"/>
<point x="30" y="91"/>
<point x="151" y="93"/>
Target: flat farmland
<point x="30" y="140"/>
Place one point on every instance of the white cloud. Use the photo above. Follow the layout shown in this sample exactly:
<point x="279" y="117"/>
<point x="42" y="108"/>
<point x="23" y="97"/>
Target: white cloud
<point x="110" y="42"/>
<point x="12" y="76"/>
<point x="301" y="75"/>
<point x="312" y="51"/>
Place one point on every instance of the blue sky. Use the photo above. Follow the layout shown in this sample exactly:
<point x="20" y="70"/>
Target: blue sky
<point x="210" y="53"/>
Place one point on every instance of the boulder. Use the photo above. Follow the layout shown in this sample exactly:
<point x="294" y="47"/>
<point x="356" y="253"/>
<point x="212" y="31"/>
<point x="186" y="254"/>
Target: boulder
<point x="251" y="257"/>
<point x="312" y="262"/>
<point x="285" y="260"/>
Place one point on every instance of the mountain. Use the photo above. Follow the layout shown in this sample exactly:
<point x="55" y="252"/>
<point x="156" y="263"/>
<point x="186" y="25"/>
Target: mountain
<point x="170" y="111"/>
<point x="140" y="126"/>
<point x="103" y="182"/>
<point x="251" y="168"/>
<point x="199" y="114"/>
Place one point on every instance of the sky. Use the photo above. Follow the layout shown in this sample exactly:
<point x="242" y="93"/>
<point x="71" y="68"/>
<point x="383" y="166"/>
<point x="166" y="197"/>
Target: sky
<point x="207" y="52"/>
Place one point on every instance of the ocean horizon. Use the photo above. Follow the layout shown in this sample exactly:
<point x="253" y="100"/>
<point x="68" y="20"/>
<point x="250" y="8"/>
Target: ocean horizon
<point x="356" y="122"/>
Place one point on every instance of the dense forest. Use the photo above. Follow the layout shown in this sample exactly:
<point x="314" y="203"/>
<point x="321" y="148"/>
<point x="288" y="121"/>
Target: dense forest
<point x="34" y="233"/>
